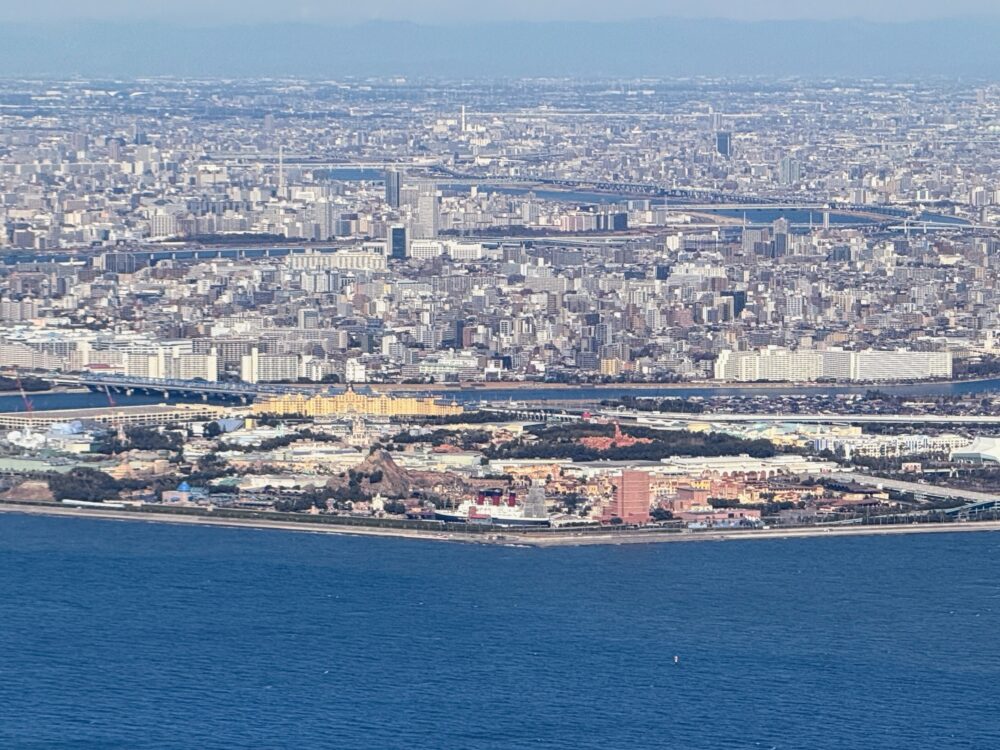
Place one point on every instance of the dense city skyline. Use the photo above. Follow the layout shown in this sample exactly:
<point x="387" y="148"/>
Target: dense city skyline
<point x="568" y="231"/>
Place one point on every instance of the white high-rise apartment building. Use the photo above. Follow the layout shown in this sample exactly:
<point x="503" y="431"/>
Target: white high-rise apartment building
<point x="426" y="226"/>
<point x="778" y="364"/>
<point x="267" y="368"/>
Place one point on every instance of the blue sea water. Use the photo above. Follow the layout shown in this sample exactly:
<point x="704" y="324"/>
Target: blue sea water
<point x="135" y="635"/>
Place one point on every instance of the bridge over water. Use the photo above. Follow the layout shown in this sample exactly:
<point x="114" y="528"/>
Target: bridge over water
<point x="244" y="392"/>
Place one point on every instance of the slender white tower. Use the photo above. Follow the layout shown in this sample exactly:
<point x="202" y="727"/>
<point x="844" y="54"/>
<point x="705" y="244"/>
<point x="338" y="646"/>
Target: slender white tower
<point x="281" y="171"/>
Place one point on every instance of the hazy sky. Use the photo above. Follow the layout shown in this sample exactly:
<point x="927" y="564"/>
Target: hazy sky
<point x="444" y="11"/>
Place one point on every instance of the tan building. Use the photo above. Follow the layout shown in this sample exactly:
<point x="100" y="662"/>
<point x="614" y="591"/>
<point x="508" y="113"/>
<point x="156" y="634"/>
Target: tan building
<point x="351" y="402"/>
<point x="612" y="367"/>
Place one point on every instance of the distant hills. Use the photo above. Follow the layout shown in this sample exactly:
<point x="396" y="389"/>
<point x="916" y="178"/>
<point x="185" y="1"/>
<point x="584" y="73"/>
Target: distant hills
<point x="662" y="48"/>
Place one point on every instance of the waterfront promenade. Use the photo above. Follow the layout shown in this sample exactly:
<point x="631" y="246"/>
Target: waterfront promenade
<point x="506" y="536"/>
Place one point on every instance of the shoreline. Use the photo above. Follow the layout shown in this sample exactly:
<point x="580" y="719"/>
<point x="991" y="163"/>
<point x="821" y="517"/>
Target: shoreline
<point x="505" y="537"/>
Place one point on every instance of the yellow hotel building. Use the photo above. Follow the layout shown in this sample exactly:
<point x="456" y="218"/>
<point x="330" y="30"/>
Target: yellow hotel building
<point x="353" y="403"/>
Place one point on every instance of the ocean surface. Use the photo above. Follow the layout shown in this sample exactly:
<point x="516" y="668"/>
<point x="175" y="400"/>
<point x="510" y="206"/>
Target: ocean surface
<point x="137" y="635"/>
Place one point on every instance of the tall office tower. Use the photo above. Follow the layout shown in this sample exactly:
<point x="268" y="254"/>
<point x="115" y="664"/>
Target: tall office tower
<point x="724" y="143"/>
<point x="397" y="242"/>
<point x="79" y="141"/>
<point x="739" y="301"/>
<point x="139" y="137"/>
<point x="393" y="186"/>
<point x="427" y="213"/>
<point x="756" y="241"/>
<point x="529" y="210"/>
<point x="281" y="171"/>
<point x="790" y="171"/>
<point x="781" y="229"/>
<point x="325" y="215"/>
<point x="631" y="501"/>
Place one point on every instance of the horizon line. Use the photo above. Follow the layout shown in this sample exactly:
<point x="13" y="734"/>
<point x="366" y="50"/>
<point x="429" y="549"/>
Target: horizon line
<point x="335" y="23"/>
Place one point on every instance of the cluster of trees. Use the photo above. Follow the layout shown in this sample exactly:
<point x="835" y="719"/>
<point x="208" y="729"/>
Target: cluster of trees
<point x="301" y="504"/>
<point x="360" y="487"/>
<point x="573" y="502"/>
<point x="986" y="367"/>
<point x="140" y="438"/>
<point x="209" y="467"/>
<point x="92" y="485"/>
<point x="888" y="464"/>
<point x="436" y="436"/>
<point x="466" y="440"/>
<point x="562" y="442"/>
<point x="151" y="439"/>
<point x="85" y="484"/>
<point x="284" y="441"/>
<point x="469" y="417"/>
<point x="357" y="489"/>
<point x="676" y="405"/>
<point x="766" y="509"/>
<point x="661" y="514"/>
<point x="873" y="394"/>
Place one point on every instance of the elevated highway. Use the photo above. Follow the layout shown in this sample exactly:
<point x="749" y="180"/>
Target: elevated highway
<point x="921" y="490"/>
